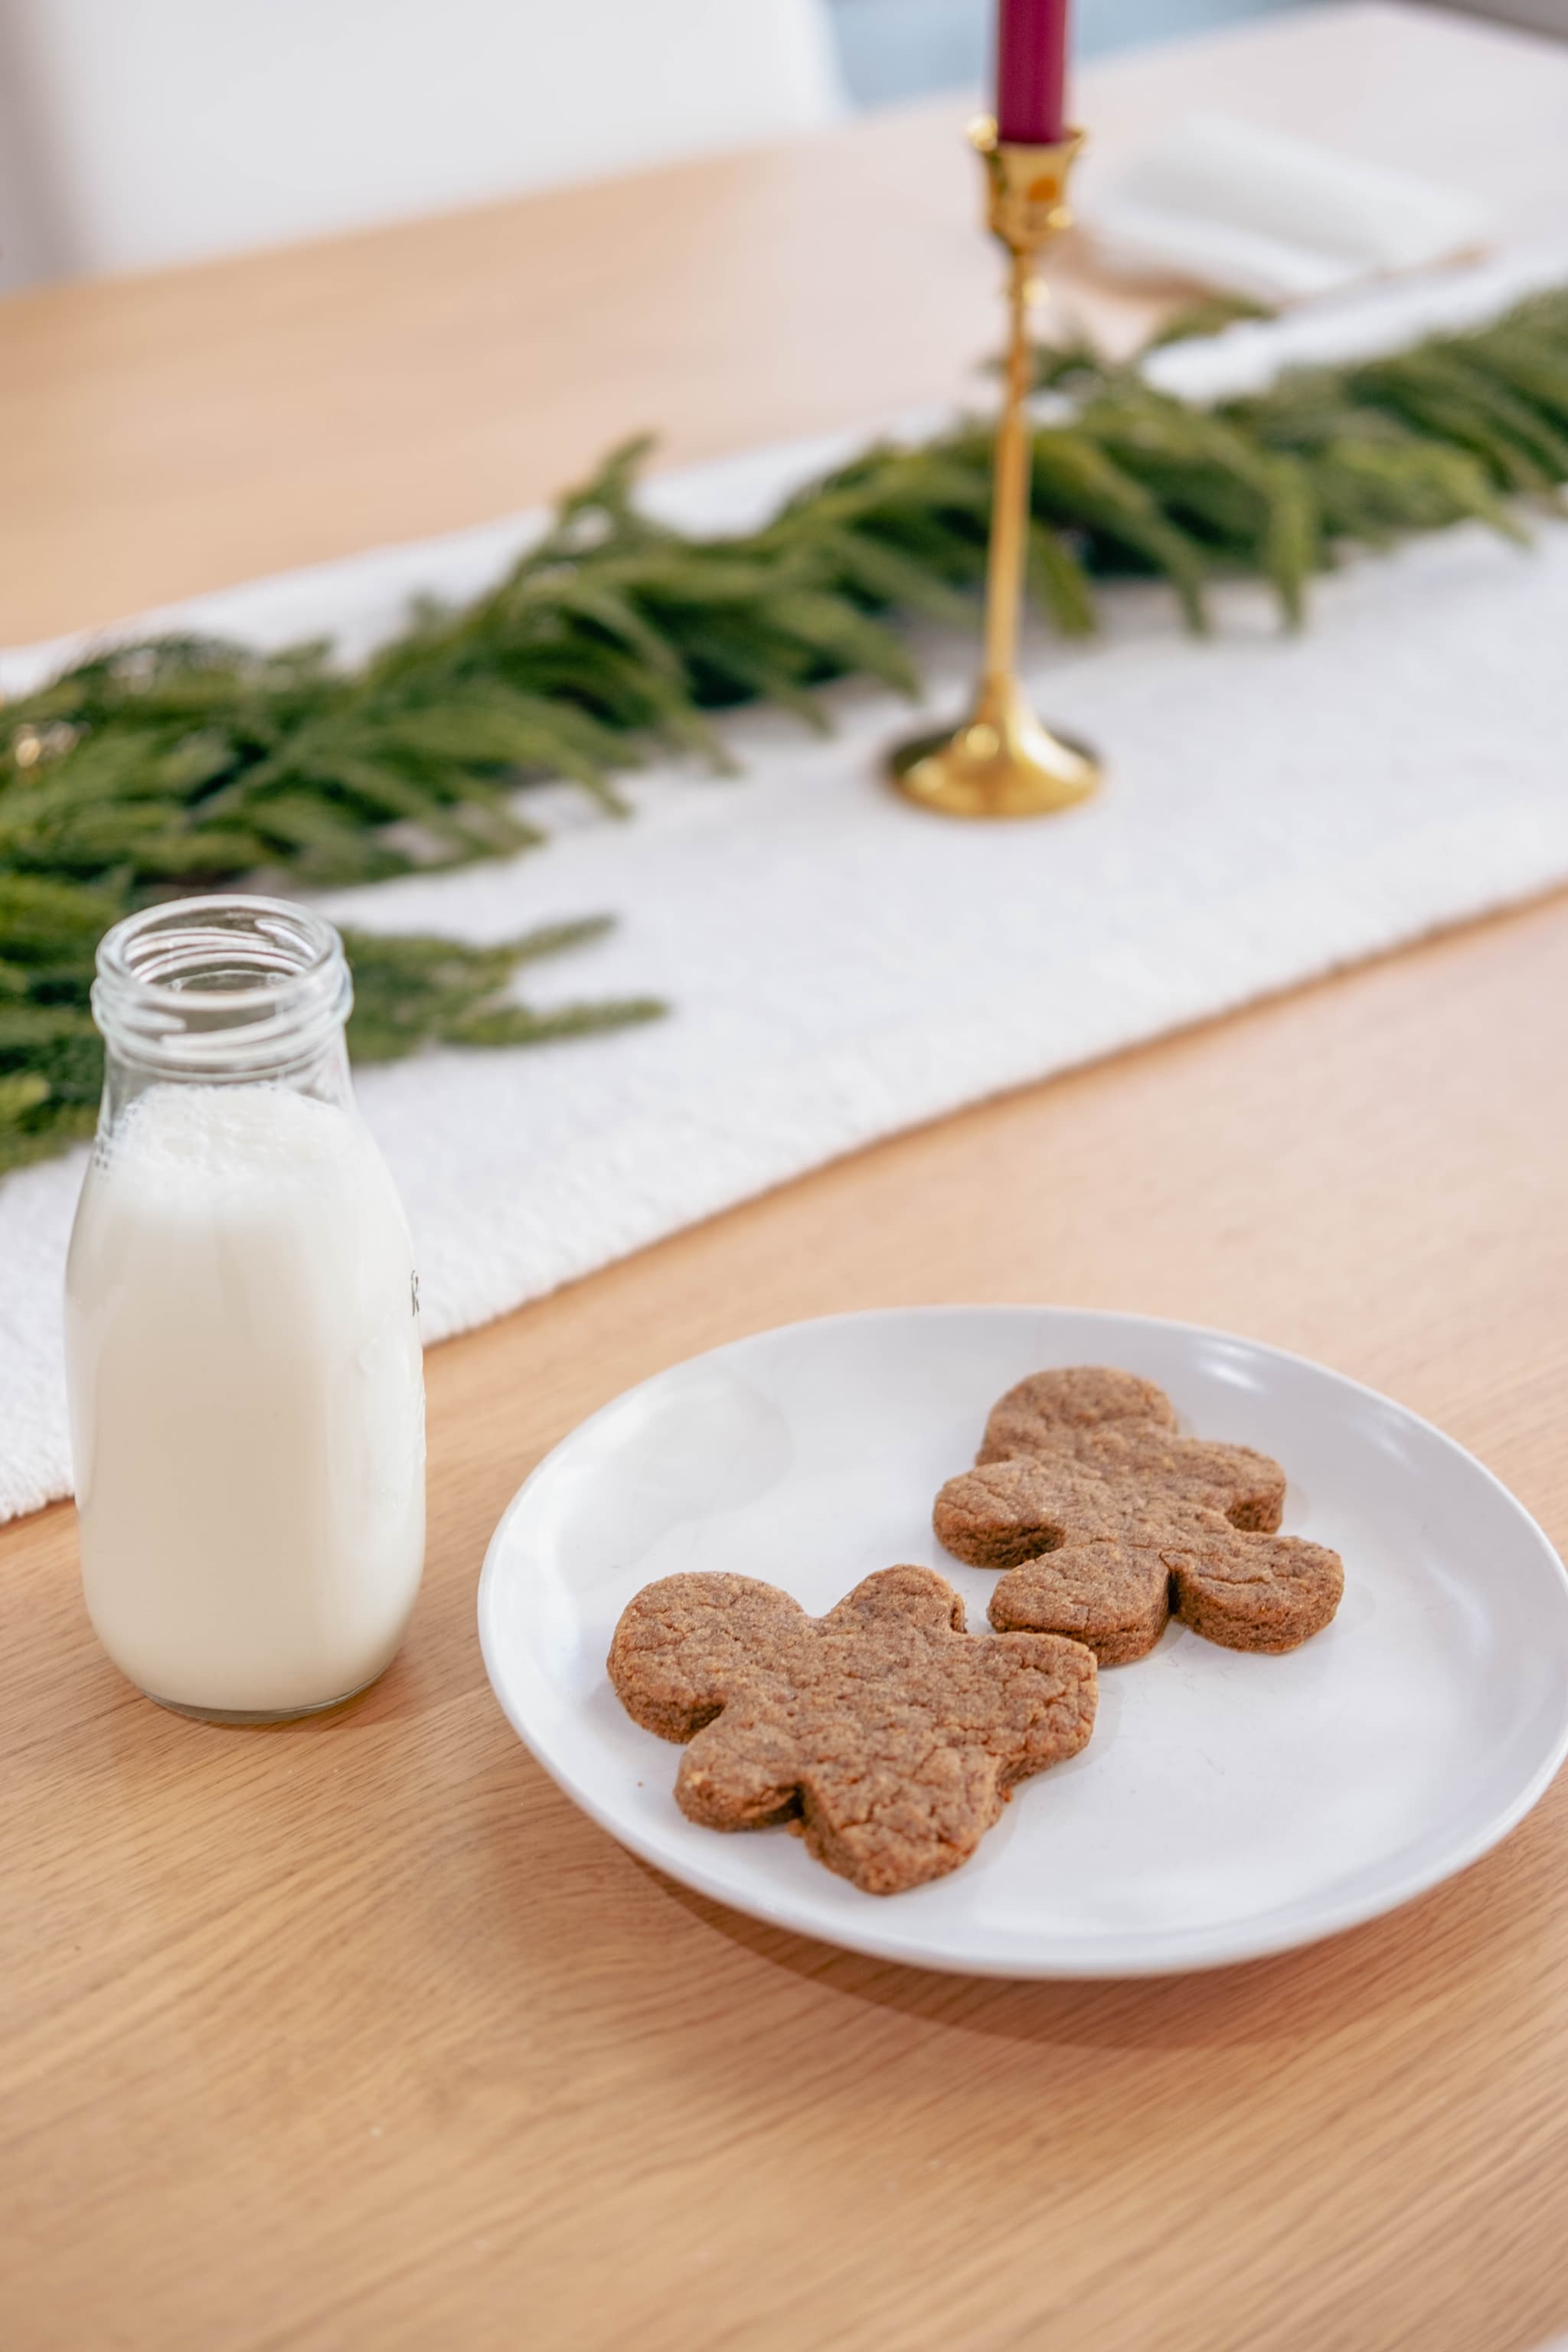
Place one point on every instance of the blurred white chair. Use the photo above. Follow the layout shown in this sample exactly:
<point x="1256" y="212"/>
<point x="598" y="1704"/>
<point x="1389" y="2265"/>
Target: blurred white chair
<point x="137" y="132"/>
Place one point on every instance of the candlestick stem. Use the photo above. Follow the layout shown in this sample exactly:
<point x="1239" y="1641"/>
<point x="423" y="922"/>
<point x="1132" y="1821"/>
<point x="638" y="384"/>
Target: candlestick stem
<point x="1010" y="483"/>
<point x="1002" y="762"/>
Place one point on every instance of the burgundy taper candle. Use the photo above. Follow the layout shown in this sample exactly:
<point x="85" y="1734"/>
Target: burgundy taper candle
<point x="1031" y="71"/>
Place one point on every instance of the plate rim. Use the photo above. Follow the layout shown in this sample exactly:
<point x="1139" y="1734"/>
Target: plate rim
<point x="1211" y="1947"/>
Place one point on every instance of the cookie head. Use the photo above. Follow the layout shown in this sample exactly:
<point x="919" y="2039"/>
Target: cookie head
<point x="888" y="1733"/>
<point x="1048" y="1406"/>
<point x="683" y="1647"/>
<point x="1007" y="1512"/>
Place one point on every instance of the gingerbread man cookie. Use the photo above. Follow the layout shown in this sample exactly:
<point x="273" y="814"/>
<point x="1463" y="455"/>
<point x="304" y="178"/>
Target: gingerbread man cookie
<point x="890" y="1734"/>
<point x="1105" y="1519"/>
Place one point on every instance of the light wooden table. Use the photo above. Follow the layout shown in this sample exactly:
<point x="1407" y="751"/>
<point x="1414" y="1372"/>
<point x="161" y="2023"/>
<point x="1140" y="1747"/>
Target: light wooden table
<point x="355" y="2033"/>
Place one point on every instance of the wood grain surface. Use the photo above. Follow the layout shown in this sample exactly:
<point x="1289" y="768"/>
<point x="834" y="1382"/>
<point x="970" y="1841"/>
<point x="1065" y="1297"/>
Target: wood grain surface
<point x="355" y="2033"/>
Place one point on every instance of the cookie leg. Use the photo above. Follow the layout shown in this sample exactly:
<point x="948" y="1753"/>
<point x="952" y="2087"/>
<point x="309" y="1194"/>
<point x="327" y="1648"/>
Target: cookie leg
<point x="888" y="1829"/>
<point x="1114" y="1597"/>
<point x="1256" y="1591"/>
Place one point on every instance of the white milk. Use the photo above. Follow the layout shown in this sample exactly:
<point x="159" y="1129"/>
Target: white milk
<point x="246" y="1399"/>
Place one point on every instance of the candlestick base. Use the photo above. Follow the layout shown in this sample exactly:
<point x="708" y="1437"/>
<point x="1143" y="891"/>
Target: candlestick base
<point x="1001" y="763"/>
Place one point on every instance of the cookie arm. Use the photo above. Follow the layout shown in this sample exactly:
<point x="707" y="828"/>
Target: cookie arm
<point x="740" y="1773"/>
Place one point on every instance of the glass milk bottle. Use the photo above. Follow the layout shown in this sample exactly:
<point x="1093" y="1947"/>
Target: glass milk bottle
<point x="242" y="1343"/>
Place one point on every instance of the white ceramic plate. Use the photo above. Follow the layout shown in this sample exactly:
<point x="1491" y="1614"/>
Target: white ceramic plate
<point x="1228" y="1805"/>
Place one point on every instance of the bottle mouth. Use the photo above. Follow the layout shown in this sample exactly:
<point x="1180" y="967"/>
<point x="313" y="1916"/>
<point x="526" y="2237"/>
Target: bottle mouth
<point x="221" y="987"/>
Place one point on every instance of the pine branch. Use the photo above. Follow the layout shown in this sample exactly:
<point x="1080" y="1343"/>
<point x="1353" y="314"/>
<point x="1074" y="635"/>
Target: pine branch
<point x="410" y="990"/>
<point x="183" y="765"/>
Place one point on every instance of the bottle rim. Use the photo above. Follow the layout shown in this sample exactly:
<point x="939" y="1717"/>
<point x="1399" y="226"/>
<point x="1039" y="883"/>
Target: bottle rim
<point x="231" y="985"/>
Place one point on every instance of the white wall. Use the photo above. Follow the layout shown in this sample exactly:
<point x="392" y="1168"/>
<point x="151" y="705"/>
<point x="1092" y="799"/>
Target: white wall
<point x="139" y="132"/>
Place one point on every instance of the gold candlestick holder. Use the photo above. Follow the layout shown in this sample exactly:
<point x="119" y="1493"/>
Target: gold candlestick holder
<point x="1002" y="762"/>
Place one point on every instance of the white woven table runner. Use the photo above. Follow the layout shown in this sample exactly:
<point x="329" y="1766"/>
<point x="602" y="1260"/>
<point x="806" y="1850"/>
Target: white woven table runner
<point x="843" y="965"/>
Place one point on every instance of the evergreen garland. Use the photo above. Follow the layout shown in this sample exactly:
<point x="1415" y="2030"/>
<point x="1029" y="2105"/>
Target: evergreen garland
<point x="182" y="765"/>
